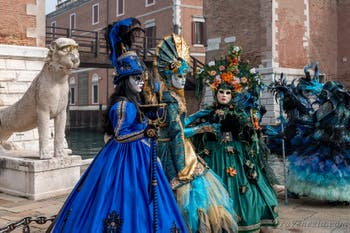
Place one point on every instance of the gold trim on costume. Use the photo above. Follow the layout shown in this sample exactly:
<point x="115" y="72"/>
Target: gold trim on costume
<point x="254" y="227"/>
<point x="182" y="48"/>
<point x="190" y="162"/>
<point x="128" y="137"/>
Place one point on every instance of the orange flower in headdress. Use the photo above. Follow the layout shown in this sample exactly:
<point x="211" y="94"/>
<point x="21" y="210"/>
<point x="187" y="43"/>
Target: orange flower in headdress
<point x="235" y="61"/>
<point x="215" y="84"/>
<point x="237" y="87"/>
<point x="244" y="80"/>
<point x="227" y="77"/>
<point x="212" y="72"/>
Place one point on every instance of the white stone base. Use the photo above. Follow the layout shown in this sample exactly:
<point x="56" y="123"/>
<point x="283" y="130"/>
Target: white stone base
<point x="25" y="175"/>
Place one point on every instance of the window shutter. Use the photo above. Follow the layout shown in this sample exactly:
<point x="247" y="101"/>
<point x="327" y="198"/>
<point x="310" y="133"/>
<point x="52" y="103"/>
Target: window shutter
<point x="205" y="36"/>
<point x="193" y="33"/>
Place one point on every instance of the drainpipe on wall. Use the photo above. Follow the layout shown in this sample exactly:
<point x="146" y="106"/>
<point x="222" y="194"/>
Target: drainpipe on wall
<point x="176" y="16"/>
<point x="107" y="77"/>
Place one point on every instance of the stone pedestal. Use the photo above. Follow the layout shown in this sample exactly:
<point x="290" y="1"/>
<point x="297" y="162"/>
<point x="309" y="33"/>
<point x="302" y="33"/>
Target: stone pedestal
<point x="24" y="174"/>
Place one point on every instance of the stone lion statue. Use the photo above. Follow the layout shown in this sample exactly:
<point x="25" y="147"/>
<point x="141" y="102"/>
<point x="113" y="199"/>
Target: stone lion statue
<point x="46" y="98"/>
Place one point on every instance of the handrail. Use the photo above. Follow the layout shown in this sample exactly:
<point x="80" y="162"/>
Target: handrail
<point x="94" y="43"/>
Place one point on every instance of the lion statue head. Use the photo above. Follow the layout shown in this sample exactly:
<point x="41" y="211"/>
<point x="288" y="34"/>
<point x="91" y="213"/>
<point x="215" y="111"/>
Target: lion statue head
<point x="63" y="54"/>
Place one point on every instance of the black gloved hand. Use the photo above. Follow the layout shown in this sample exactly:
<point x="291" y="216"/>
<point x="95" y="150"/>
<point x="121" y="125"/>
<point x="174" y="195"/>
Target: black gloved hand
<point x="230" y="123"/>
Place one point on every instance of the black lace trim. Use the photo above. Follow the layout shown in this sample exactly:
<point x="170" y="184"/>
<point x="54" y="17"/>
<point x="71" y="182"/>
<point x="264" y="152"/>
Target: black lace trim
<point x="174" y="229"/>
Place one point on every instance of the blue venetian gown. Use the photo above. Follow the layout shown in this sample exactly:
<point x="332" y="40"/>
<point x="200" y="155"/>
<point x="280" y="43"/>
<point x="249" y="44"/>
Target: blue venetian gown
<point x="114" y="194"/>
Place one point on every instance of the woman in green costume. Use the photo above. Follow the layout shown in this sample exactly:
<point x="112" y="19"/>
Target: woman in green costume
<point x="235" y="153"/>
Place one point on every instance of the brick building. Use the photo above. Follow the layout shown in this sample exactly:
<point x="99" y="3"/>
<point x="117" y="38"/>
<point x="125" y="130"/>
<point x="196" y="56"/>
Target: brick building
<point x="91" y="86"/>
<point x="282" y="36"/>
<point x="22" y="22"/>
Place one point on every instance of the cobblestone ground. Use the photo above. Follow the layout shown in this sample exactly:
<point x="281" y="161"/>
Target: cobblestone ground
<point x="299" y="215"/>
<point x="305" y="214"/>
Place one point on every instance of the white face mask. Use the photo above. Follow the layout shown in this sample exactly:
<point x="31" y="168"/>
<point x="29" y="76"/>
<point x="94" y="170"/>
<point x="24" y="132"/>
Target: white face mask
<point x="224" y="96"/>
<point x="178" y="81"/>
<point x="136" y="83"/>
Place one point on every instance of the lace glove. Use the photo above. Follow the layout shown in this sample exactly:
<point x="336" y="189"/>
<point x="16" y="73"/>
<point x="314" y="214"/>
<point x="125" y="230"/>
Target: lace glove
<point x="195" y="116"/>
<point x="203" y="128"/>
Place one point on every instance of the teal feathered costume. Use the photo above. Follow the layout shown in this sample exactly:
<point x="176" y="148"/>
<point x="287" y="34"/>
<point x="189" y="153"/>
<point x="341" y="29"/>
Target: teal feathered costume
<point x="201" y="197"/>
<point x="319" y="140"/>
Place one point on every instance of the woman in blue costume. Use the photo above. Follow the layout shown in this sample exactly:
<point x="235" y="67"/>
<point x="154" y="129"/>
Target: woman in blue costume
<point x="202" y="198"/>
<point x="236" y="152"/>
<point x="114" y="194"/>
<point x="320" y="159"/>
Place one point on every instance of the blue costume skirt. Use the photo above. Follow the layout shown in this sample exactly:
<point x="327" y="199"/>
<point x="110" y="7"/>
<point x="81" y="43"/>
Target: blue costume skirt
<point x="114" y="195"/>
<point x="320" y="172"/>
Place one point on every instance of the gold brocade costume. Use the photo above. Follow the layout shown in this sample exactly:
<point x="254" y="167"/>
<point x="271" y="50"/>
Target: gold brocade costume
<point x="201" y="197"/>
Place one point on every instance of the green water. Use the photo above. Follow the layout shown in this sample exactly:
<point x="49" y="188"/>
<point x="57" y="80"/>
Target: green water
<point x="85" y="142"/>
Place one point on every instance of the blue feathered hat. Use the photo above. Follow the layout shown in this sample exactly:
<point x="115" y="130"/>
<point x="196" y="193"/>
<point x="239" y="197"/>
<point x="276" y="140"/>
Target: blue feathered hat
<point x="120" y="37"/>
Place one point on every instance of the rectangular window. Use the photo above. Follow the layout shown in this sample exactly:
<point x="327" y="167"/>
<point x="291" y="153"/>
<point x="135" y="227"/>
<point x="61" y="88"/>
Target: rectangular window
<point x="120" y="7"/>
<point x="83" y="90"/>
<point x="150" y="32"/>
<point x="95" y="14"/>
<point x="72" y="22"/>
<point x="150" y="2"/>
<point x="198" y="33"/>
<point x="72" y="95"/>
<point x="53" y="29"/>
<point x="95" y="93"/>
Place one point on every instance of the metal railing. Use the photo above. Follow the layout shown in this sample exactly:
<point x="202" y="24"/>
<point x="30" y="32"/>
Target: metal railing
<point x="89" y="41"/>
<point x="94" y="50"/>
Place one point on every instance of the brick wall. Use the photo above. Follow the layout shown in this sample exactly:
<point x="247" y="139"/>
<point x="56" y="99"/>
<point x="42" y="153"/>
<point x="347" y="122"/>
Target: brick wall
<point x="22" y="22"/>
<point x="244" y="20"/>
<point x="283" y="36"/>
<point x="290" y="30"/>
<point x="324" y="23"/>
<point x="343" y="58"/>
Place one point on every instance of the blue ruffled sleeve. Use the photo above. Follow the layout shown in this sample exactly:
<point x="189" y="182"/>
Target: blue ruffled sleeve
<point x="124" y="117"/>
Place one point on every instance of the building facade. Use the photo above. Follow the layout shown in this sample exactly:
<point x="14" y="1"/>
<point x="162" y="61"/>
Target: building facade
<point x="282" y="36"/>
<point x="91" y="87"/>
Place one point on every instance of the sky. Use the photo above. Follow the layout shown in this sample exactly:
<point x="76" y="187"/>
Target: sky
<point x="50" y="6"/>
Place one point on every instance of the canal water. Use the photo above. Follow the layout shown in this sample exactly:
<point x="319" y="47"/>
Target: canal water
<point x="88" y="142"/>
<point x="85" y="142"/>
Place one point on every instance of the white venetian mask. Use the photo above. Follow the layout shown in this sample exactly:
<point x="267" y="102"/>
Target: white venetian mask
<point x="136" y="83"/>
<point x="178" y="81"/>
<point x="224" y="96"/>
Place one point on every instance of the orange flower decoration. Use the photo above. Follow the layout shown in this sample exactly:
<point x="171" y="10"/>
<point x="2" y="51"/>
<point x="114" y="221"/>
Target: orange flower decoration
<point x="215" y="84"/>
<point x="244" y="80"/>
<point x="256" y="123"/>
<point x="212" y="73"/>
<point x="235" y="61"/>
<point x="237" y="87"/>
<point x="227" y="77"/>
<point x="231" y="171"/>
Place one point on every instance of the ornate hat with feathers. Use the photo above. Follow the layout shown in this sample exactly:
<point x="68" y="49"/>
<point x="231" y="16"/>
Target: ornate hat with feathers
<point x="120" y="37"/>
<point x="172" y="57"/>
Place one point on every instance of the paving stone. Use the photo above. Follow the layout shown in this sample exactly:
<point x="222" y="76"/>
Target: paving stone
<point x="302" y="215"/>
